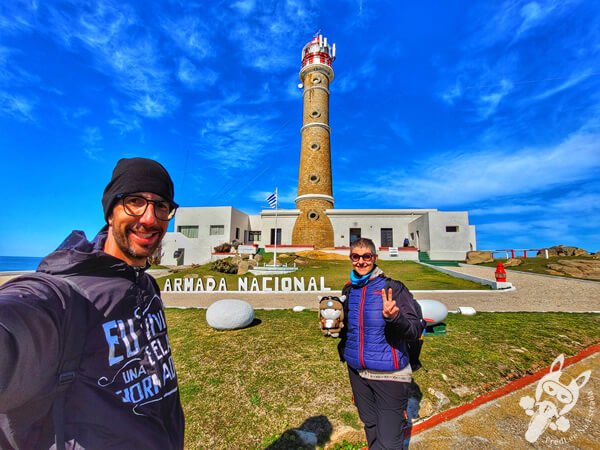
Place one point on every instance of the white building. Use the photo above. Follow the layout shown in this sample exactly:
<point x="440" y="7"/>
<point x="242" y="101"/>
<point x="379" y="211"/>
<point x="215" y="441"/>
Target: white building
<point x="443" y="235"/>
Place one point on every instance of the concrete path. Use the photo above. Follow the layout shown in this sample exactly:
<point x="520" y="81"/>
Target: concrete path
<point x="503" y="423"/>
<point x="532" y="293"/>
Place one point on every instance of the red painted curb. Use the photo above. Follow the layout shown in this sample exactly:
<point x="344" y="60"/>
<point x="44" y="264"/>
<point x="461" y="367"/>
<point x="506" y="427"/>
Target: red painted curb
<point x="500" y="392"/>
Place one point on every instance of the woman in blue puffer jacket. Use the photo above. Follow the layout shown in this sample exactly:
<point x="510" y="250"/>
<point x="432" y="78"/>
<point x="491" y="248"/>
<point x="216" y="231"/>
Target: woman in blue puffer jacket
<point x="381" y="315"/>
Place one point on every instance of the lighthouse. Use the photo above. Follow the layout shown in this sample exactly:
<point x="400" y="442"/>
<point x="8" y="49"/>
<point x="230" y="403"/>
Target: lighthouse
<point x="315" y="192"/>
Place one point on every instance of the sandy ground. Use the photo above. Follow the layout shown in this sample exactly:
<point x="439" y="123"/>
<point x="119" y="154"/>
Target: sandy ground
<point x="503" y="423"/>
<point x="532" y="293"/>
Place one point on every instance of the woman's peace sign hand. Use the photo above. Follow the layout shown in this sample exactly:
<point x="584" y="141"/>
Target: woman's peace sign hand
<point x="390" y="308"/>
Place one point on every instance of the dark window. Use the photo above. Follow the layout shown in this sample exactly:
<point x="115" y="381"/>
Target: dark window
<point x="190" y="231"/>
<point x="253" y="236"/>
<point x="354" y="234"/>
<point x="451" y="229"/>
<point x="273" y="236"/>
<point x="217" y="230"/>
<point x="387" y="237"/>
<point x="237" y="233"/>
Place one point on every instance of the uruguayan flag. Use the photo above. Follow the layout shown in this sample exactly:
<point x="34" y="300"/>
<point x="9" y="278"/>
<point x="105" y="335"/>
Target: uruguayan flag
<point x="272" y="199"/>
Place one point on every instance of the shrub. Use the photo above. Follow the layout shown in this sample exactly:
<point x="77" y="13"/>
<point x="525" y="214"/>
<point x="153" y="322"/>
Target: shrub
<point x="224" y="266"/>
<point x="223" y="248"/>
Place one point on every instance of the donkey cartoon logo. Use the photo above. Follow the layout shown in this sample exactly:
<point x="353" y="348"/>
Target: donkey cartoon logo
<point x="553" y="400"/>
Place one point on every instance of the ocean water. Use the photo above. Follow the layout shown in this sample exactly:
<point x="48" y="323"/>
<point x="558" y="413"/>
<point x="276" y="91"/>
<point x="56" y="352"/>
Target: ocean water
<point x="18" y="263"/>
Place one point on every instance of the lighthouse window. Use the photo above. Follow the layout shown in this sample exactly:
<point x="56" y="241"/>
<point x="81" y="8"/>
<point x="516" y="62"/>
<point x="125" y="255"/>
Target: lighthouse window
<point x="313" y="215"/>
<point x="315" y="146"/>
<point x="316" y="80"/>
<point x="452" y="229"/>
<point x="315" y="113"/>
<point x="314" y="178"/>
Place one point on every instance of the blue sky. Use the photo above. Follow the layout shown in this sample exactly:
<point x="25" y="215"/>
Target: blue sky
<point x="491" y="107"/>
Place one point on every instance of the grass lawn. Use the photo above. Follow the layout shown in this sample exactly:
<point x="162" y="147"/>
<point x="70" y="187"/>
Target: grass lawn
<point x="336" y="273"/>
<point x="242" y="389"/>
<point x="536" y="264"/>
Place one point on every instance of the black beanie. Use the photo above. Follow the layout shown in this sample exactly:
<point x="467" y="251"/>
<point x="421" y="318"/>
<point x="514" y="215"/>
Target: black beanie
<point x="137" y="175"/>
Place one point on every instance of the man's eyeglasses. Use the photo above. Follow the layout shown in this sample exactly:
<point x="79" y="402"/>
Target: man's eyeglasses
<point x="135" y="205"/>
<point x="367" y="257"/>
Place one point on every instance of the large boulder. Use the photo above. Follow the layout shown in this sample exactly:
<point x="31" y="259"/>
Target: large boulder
<point x="578" y="268"/>
<point x="229" y="314"/>
<point x="479" y="257"/>
<point x="563" y="250"/>
<point x="245" y="265"/>
<point x="512" y="262"/>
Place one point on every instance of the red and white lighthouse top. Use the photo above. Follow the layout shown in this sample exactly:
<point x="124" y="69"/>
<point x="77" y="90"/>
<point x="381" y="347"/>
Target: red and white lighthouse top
<point x="318" y="51"/>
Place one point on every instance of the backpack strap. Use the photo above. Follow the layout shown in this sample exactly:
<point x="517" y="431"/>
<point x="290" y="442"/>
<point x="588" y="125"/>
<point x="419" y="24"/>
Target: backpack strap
<point x="413" y="346"/>
<point x="75" y="331"/>
<point x="346" y="289"/>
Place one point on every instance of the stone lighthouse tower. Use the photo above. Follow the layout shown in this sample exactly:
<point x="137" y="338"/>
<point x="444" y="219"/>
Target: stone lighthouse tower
<point x="315" y="193"/>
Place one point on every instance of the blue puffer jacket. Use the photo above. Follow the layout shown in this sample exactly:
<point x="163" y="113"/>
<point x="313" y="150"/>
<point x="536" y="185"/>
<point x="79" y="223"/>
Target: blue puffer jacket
<point x="368" y="340"/>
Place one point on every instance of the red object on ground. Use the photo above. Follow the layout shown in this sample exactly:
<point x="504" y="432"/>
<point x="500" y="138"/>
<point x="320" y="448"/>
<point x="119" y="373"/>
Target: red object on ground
<point x="500" y="273"/>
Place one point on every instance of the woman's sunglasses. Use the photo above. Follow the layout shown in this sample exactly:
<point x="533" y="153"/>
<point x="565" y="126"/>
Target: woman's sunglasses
<point x="355" y="257"/>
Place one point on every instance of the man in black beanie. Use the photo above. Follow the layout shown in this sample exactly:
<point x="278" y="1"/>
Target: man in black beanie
<point x="85" y="360"/>
<point x="134" y="231"/>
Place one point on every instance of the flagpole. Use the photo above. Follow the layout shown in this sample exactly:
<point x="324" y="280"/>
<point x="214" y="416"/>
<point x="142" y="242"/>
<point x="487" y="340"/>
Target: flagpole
<point x="276" y="207"/>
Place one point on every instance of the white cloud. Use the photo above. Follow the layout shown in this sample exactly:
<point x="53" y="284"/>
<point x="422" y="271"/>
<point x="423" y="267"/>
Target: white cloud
<point x="194" y="78"/>
<point x="570" y="82"/>
<point x="11" y="75"/>
<point x="451" y="94"/>
<point x="245" y="7"/>
<point x="264" y="39"/>
<point x="458" y="179"/>
<point x="533" y="14"/>
<point x="513" y="20"/>
<point x="237" y="140"/>
<point x="488" y="102"/>
<point x="154" y="106"/>
<point x="17" y="106"/>
<point x="191" y="35"/>
<point x="91" y="139"/>
<point x="399" y="128"/>
<point x="17" y="16"/>
<point x="131" y="59"/>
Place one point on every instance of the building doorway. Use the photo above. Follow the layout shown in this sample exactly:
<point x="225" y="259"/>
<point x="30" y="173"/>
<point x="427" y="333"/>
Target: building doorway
<point x="273" y="236"/>
<point x="387" y="237"/>
<point x="354" y="235"/>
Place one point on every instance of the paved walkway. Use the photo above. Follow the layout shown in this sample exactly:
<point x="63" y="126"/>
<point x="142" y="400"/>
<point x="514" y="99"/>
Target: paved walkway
<point x="532" y="293"/>
<point x="503" y="423"/>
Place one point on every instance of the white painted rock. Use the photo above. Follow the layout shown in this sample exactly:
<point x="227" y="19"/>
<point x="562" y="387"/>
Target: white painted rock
<point x="434" y="311"/>
<point x="298" y="308"/>
<point x="229" y="314"/>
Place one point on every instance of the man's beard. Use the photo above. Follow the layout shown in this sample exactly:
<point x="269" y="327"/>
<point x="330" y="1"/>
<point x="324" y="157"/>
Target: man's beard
<point x="127" y="248"/>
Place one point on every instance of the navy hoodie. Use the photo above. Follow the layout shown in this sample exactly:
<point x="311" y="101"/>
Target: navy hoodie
<point x="126" y="394"/>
